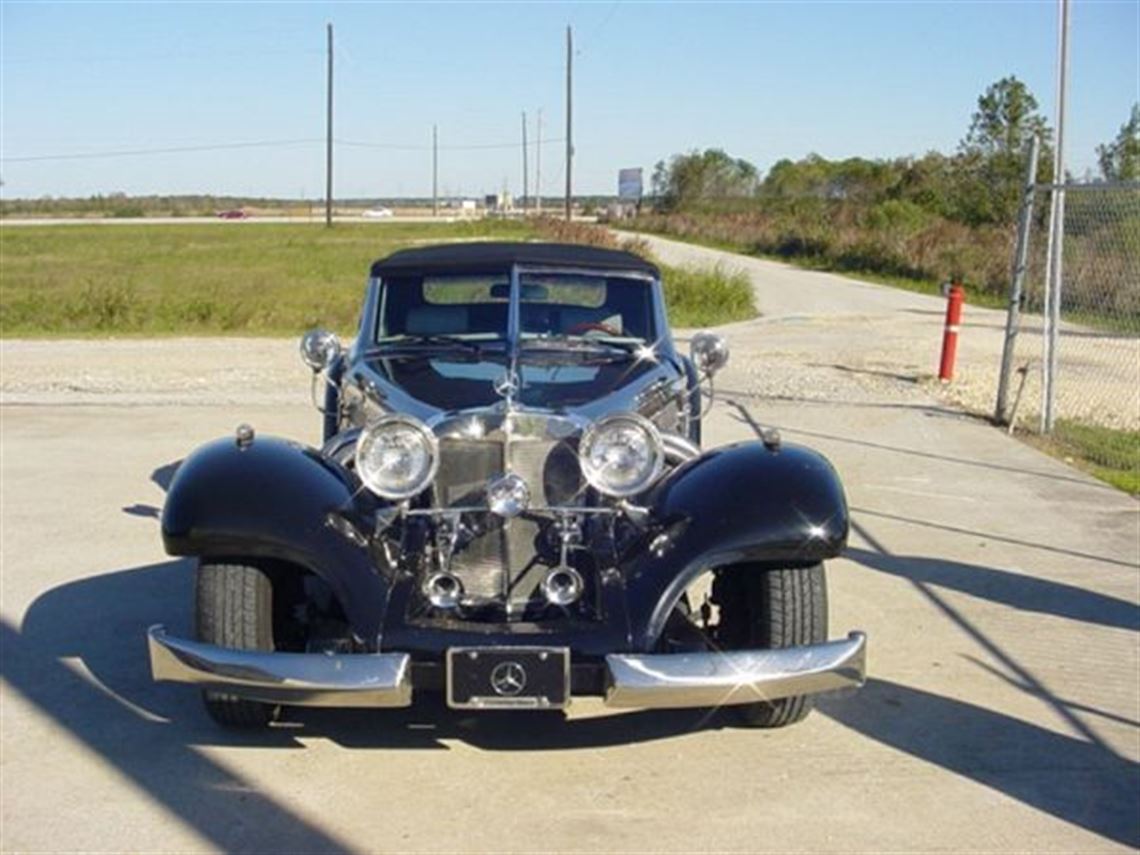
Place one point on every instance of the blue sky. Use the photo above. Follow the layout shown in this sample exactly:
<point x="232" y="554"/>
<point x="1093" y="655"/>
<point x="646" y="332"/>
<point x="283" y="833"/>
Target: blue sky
<point x="762" y="80"/>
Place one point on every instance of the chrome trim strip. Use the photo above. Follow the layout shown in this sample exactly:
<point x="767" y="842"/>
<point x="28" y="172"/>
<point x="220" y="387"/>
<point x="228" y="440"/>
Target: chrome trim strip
<point x="484" y="509"/>
<point x="678" y="449"/>
<point x="712" y="679"/>
<point x="298" y="679"/>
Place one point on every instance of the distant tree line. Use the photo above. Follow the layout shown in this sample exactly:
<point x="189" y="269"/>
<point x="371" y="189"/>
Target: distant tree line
<point x="979" y="183"/>
<point x="926" y="217"/>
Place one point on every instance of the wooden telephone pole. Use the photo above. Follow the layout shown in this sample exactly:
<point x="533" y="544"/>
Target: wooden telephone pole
<point x="329" y="133"/>
<point x="569" y="118"/>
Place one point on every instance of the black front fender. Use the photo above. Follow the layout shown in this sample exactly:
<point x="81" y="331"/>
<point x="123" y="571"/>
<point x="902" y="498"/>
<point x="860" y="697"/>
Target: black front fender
<point x="742" y="503"/>
<point x="277" y="499"/>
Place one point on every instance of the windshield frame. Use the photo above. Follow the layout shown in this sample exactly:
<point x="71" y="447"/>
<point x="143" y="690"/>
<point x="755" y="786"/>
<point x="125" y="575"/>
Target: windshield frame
<point x="515" y="338"/>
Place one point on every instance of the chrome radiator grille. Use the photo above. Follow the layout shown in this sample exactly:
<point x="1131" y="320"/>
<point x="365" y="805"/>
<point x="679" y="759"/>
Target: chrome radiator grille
<point x="499" y="563"/>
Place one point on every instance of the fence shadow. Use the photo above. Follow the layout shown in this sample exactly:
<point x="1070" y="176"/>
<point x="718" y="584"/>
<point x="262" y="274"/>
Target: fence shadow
<point x="1074" y="780"/>
<point x="1016" y="590"/>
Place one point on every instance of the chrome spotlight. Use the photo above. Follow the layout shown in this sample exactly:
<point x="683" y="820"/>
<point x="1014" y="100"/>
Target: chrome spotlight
<point x="508" y="496"/>
<point x="443" y="590"/>
<point x="319" y="349"/>
<point x="709" y="353"/>
<point x="562" y="586"/>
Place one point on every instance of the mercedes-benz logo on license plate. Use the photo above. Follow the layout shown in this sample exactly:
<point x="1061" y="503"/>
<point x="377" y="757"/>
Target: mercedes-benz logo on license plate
<point x="508" y="678"/>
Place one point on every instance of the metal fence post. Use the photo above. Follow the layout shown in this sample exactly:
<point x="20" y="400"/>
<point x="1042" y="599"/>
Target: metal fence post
<point x="1056" y="229"/>
<point x="1017" y="282"/>
<point x="1054" y="267"/>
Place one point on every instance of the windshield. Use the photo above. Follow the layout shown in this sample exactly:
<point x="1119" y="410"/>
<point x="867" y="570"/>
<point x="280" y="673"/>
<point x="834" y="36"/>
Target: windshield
<point x="471" y="306"/>
<point x="584" y="304"/>
<point x="552" y="306"/>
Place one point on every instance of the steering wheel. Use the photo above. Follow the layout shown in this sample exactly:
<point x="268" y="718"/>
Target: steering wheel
<point x="586" y="326"/>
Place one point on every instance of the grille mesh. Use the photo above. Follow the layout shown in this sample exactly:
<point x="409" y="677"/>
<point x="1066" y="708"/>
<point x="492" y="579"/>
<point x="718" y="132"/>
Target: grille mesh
<point x="500" y="557"/>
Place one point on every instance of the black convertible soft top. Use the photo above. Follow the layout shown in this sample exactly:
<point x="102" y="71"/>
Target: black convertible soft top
<point x="499" y="256"/>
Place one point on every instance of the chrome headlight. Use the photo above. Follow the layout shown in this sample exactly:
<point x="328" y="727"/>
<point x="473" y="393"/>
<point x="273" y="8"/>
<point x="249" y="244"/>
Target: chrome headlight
<point x="397" y="457"/>
<point x="621" y="455"/>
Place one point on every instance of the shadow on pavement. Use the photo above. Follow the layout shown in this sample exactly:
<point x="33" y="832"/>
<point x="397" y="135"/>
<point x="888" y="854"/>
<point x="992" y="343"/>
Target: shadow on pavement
<point x="746" y="417"/>
<point x="1016" y="590"/>
<point x="162" y="476"/>
<point x="102" y="621"/>
<point x="151" y="732"/>
<point x="105" y="702"/>
<point x="985" y="535"/>
<point x="932" y="410"/>
<point x="1074" y="780"/>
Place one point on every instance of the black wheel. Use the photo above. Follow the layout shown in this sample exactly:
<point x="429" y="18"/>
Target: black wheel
<point x="234" y="608"/>
<point x="764" y="608"/>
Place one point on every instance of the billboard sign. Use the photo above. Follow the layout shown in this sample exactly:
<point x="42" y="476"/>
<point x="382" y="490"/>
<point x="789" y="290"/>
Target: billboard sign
<point x="629" y="184"/>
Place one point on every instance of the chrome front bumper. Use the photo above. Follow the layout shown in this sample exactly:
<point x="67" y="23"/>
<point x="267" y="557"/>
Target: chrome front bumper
<point x="673" y="680"/>
<point x="298" y="679"/>
<point x="667" y="680"/>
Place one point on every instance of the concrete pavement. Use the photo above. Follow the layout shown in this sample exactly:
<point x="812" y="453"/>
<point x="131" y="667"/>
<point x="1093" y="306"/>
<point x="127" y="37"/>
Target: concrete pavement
<point x="999" y="588"/>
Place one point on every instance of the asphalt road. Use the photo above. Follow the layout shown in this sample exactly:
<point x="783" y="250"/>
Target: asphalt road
<point x="999" y="588"/>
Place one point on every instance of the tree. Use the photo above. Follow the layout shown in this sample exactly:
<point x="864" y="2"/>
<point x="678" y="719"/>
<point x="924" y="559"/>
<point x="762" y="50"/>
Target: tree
<point x="992" y="155"/>
<point x="1120" y="159"/>
<point x="697" y="177"/>
<point x="1005" y="121"/>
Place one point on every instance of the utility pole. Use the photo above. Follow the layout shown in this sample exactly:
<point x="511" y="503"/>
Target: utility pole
<point x="434" y="171"/>
<point x="525" y="182"/>
<point x="569" y="117"/>
<point x="329" y="135"/>
<point x="538" y="166"/>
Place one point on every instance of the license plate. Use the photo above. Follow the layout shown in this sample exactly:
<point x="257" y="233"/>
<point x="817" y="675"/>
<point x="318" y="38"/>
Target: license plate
<point x="508" y="678"/>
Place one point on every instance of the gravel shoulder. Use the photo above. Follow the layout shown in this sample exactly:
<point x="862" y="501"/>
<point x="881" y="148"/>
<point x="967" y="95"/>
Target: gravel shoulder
<point x="837" y="324"/>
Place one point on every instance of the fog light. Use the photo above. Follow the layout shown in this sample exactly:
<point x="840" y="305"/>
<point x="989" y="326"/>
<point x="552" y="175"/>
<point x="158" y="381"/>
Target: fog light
<point x="562" y="586"/>
<point x="508" y="496"/>
<point x="443" y="590"/>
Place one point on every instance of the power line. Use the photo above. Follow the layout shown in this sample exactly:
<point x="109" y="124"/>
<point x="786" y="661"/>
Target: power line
<point x="142" y="152"/>
<point x="469" y="147"/>
<point x="156" y="57"/>
<point x="138" y="152"/>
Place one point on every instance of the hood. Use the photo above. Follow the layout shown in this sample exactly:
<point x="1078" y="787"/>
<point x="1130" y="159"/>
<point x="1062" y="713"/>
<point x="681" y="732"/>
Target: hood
<point x="448" y="381"/>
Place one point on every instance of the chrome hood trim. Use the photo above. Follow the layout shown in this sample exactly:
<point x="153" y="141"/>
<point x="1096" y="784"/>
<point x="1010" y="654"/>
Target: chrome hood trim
<point x="503" y="423"/>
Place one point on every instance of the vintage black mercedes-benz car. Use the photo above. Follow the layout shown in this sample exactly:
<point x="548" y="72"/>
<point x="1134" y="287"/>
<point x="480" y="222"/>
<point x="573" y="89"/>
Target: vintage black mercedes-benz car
<point x="511" y="506"/>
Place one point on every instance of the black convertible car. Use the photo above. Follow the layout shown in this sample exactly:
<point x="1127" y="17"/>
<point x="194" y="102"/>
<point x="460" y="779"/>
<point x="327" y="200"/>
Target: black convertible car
<point x="511" y="506"/>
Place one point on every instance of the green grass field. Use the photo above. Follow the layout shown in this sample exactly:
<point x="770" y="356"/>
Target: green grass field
<point x="247" y="278"/>
<point x="1111" y="455"/>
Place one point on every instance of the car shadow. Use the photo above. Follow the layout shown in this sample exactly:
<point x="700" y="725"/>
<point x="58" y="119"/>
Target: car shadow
<point x="82" y="664"/>
<point x="102" y="622"/>
<point x="1016" y="590"/>
<point x="162" y="476"/>
<point x="1075" y="780"/>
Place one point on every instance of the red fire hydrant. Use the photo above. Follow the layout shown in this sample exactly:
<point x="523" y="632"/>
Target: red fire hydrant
<point x="955" y="298"/>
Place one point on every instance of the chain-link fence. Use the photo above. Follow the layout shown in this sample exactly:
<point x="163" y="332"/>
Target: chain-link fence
<point x="1096" y="370"/>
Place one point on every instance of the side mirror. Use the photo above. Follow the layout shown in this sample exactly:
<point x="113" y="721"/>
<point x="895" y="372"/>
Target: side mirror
<point x="319" y="349"/>
<point x="709" y="353"/>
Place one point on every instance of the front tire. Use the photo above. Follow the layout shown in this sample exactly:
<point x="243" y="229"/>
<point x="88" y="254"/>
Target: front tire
<point x="234" y="608"/>
<point x="771" y="609"/>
